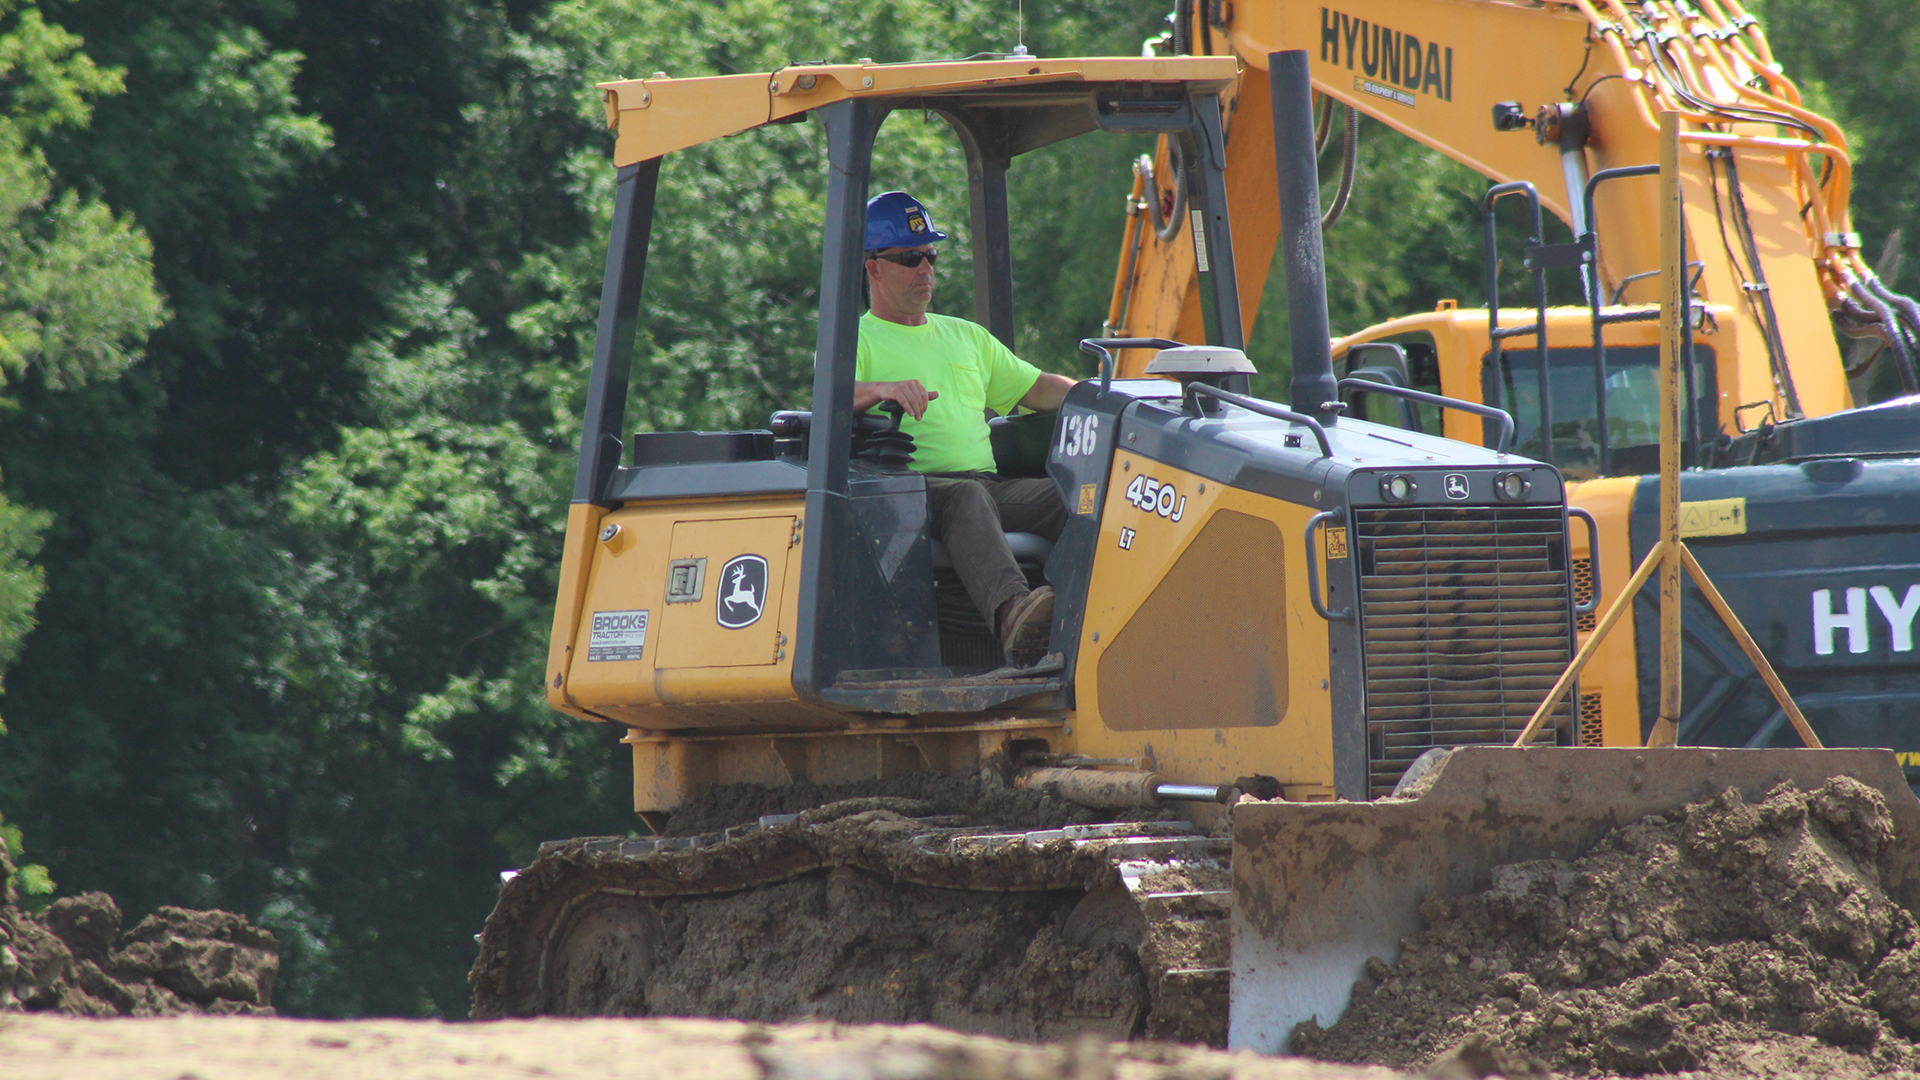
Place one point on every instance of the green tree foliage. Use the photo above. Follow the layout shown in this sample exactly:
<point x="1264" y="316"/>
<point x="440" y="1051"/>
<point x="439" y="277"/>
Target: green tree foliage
<point x="216" y="708"/>
<point x="77" y="296"/>
<point x="21" y="581"/>
<point x="1858" y="61"/>
<point x="22" y="883"/>
<point x="1855" y="61"/>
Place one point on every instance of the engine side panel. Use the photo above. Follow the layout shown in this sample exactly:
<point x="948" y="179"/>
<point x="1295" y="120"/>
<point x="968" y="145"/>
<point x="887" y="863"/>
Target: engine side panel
<point x="1188" y="659"/>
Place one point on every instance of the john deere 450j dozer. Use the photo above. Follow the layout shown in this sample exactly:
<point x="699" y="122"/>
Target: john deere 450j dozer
<point x="1263" y="606"/>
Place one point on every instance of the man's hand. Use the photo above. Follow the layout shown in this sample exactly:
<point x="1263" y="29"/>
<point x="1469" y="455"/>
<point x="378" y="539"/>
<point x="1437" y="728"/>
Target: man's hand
<point x="912" y="396"/>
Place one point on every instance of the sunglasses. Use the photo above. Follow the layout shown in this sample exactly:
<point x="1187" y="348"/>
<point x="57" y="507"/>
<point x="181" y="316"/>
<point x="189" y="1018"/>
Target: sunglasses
<point x="908" y="259"/>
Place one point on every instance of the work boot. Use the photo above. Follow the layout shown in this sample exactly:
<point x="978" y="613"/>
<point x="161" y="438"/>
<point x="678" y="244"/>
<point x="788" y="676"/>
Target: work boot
<point x="1027" y="628"/>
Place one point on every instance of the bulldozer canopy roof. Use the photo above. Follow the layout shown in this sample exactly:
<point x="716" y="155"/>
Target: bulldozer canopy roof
<point x="658" y="115"/>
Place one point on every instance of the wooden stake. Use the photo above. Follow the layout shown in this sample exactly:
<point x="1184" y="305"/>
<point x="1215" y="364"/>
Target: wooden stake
<point x="1673" y="313"/>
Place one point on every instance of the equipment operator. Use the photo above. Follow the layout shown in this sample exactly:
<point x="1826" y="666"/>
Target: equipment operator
<point x="945" y="373"/>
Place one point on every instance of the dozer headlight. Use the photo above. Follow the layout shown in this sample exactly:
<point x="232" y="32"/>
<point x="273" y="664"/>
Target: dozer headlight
<point x="1398" y="488"/>
<point x="1511" y="487"/>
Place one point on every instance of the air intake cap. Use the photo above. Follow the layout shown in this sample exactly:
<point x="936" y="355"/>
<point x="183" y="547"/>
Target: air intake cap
<point x="1200" y="361"/>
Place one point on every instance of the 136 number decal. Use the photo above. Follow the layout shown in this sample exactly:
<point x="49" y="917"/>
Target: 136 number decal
<point x="1154" y="497"/>
<point x="1079" y="435"/>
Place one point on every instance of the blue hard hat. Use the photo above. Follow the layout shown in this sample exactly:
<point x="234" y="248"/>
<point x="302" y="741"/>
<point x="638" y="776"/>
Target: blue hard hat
<point x="896" y="219"/>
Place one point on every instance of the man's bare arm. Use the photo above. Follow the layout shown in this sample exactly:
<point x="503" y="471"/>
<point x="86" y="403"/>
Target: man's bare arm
<point x="1047" y="392"/>
<point x="912" y="396"/>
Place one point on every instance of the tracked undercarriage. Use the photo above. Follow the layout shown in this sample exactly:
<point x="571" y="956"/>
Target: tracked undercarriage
<point x="869" y="910"/>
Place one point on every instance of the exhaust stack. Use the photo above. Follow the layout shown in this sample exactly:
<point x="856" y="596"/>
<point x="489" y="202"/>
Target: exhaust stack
<point x="1313" y="387"/>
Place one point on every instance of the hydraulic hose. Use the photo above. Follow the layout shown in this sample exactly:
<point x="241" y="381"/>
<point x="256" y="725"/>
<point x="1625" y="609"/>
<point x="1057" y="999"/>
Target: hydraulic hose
<point x="1858" y="323"/>
<point x="1896" y="334"/>
<point x="1349" y="161"/>
<point x="1903" y="317"/>
<point x="1770" y="322"/>
<point x="1166" y="227"/>
<point x="1907" y="309"/>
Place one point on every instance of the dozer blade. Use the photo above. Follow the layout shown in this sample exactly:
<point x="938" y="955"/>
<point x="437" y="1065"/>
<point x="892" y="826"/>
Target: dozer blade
<point x="1318" y="888"/>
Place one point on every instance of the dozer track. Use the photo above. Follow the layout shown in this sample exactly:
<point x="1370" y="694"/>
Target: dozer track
<point x="861" y="911"/>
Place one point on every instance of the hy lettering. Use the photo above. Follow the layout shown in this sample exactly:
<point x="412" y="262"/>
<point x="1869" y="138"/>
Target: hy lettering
<point x="1853" y="618"/>
<point x="1386" y="54"/>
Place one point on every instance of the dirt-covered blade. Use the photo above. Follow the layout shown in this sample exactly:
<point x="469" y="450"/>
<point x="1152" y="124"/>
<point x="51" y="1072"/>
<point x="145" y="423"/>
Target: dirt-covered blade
<point x="1318" y="888"/>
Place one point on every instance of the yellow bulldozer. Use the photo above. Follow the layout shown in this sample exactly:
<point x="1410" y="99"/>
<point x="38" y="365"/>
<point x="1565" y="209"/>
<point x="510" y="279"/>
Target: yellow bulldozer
<point x="1288" y="656"/>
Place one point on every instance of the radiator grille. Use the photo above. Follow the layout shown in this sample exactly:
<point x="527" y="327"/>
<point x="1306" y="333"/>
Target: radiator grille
<point x="1464" y="628"/>
<point x="1590" y="716"/>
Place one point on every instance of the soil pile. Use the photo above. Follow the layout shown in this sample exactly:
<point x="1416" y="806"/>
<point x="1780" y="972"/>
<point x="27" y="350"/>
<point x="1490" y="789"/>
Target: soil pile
<point x="74" y="959"/>
<point x="1737" y="938"/>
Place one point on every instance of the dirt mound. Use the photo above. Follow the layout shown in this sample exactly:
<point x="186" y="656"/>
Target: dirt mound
<point x="74" y="959"/>
<point x="726" y="805"/>
<point x="1737" y="938"/>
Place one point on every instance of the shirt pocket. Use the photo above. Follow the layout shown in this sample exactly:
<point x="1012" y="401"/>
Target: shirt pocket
<point x="969" y="382"/>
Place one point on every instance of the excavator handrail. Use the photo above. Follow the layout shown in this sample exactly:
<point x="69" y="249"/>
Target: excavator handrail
<point x="1502" y="443"/>
<point x="1621" y="172"/>
<point x="1593" y="556"/>
<point x="1605" y="448"/>
<point x="1539" y="328"/>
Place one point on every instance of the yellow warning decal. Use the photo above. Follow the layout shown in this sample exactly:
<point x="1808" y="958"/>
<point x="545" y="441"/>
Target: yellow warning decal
<point x="1087" y="493"/>
<point x="1336" y="543"/>
<point x="1713" y="517"/>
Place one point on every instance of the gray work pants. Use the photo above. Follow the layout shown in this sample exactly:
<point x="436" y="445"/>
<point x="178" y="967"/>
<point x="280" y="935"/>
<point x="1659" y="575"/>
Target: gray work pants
<point x="971" y="513"/>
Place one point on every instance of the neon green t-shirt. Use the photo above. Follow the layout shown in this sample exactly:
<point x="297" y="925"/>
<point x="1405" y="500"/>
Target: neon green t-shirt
<point x="965" y="365"/>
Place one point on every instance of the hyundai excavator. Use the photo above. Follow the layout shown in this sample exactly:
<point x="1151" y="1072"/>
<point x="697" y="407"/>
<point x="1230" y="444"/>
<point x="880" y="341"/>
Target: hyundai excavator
<point x="1288" y="656"/>
<point x="1798" y="504"/>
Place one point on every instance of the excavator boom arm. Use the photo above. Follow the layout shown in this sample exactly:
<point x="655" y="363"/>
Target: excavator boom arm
<point x="1474" y="78"/>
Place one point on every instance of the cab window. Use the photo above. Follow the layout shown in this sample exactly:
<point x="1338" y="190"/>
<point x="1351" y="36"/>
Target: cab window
<point x="1633" y="405"/>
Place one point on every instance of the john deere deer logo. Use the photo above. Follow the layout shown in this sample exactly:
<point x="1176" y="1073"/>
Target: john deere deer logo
<point x="743" y="591"/>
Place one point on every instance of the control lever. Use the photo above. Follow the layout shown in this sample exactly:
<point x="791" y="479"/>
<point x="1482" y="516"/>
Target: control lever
<point x="877" y="437"/>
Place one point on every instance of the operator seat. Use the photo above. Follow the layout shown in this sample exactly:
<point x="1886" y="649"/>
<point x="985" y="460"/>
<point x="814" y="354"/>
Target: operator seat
<point x="1027" y="548"/>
